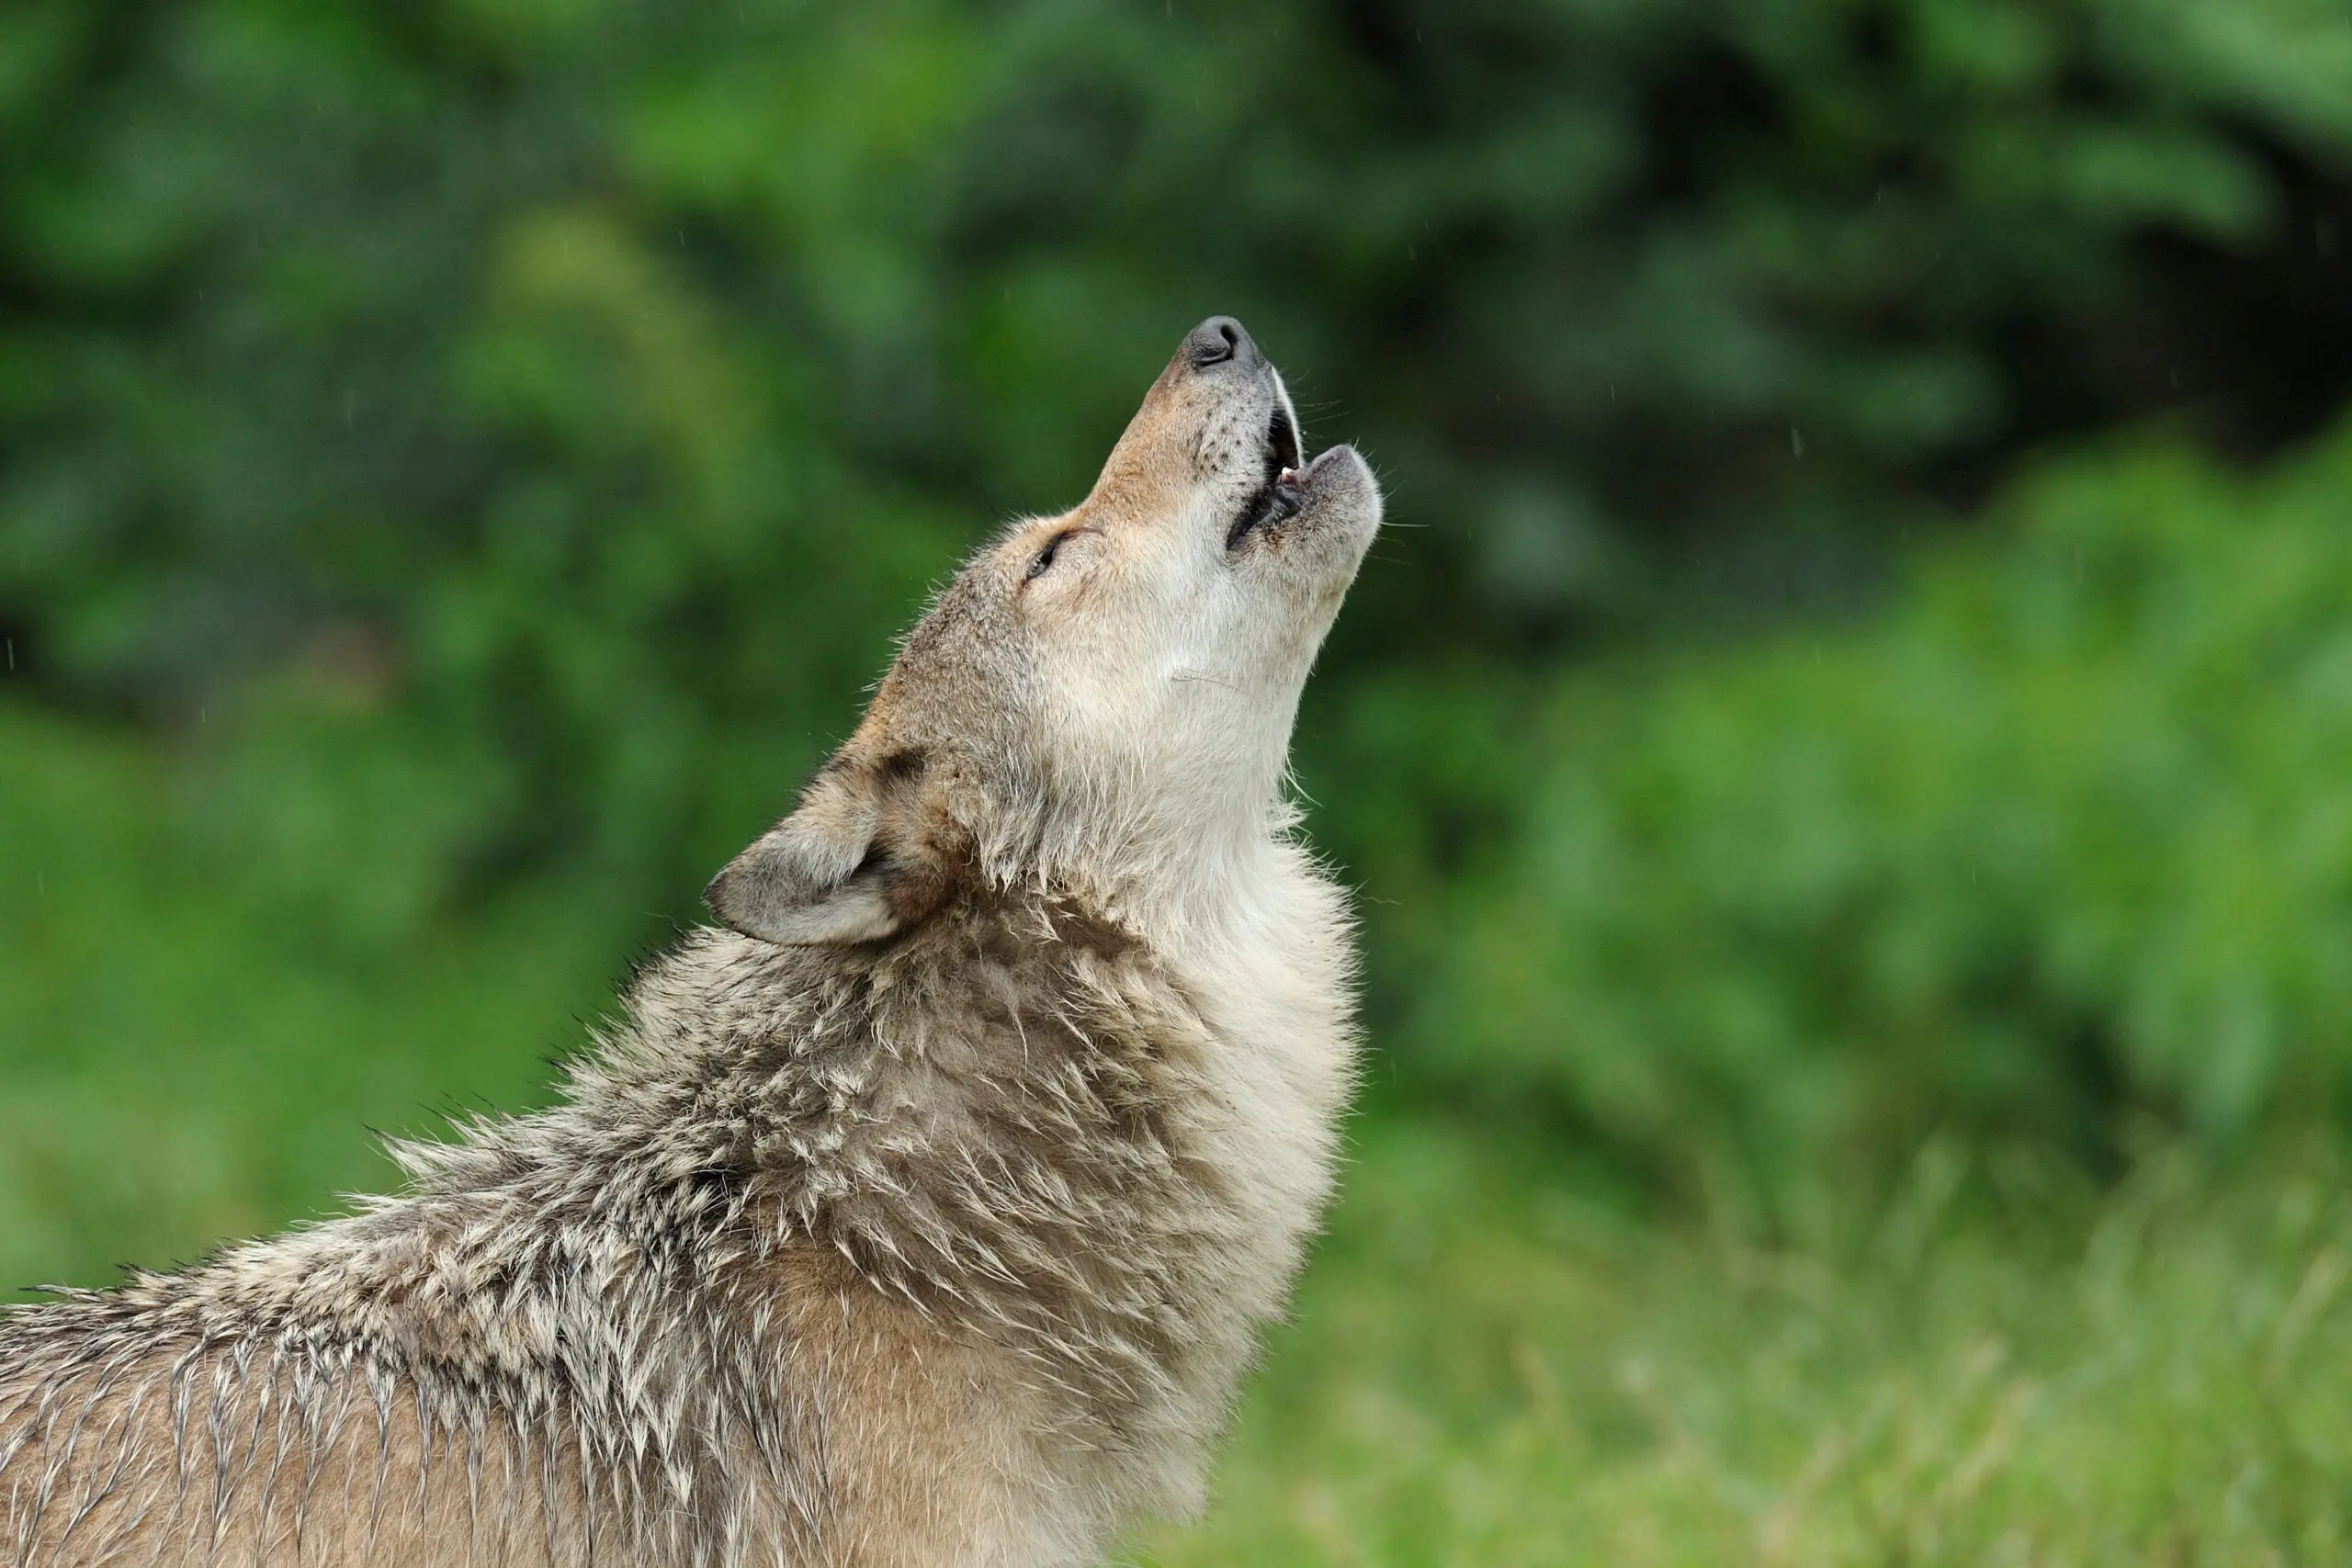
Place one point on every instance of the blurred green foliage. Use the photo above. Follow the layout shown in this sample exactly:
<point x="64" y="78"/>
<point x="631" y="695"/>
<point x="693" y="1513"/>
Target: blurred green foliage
<point x="183" y="1061"/>
<point x="2065" y="834"/>
<point x="493" y="440"/>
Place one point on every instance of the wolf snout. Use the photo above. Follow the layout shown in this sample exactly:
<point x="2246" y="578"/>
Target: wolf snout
<point x="1219" y="340"/>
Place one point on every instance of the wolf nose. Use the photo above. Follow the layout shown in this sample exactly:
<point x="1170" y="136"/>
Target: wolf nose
<point x="1216" y="339"/>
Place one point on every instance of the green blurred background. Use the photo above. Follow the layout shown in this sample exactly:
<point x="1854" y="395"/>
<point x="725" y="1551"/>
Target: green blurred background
<point x="1845" y="752"/>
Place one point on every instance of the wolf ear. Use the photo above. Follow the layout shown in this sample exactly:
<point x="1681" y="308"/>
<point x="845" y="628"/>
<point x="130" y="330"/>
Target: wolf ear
<point x="817" y="876"/>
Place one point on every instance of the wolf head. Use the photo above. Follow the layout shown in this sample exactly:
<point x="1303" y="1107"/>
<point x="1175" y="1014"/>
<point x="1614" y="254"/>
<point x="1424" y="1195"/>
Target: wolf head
<point x="1100" y="703"/>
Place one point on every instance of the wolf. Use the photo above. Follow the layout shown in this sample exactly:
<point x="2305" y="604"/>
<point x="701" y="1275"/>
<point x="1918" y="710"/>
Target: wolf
<point x="925" y="1210"/>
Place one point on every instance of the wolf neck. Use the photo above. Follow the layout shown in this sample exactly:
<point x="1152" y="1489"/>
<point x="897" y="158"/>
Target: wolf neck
<point x="1175" y="872"/>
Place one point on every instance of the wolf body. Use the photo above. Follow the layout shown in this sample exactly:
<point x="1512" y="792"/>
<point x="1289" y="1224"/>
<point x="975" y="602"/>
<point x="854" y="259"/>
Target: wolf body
<point x="926" y="1213"/>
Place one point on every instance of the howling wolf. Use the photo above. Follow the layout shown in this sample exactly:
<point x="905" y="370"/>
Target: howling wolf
<point x="924" y="1214"/>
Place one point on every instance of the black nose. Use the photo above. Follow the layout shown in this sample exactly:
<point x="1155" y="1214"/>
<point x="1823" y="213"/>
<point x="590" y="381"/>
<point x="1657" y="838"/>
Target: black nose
<point x="1216" y="339"/>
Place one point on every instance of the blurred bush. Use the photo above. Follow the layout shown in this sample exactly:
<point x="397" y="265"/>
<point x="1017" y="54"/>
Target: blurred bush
<point x="512" y="426"/>
<point x="497" y="437"/>
<point x="2063" y="838"/>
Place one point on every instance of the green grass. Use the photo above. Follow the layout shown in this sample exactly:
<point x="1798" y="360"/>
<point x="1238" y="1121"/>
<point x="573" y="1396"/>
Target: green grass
<point x="1487" y="1368"/>
<point x="1493" y="1361"/>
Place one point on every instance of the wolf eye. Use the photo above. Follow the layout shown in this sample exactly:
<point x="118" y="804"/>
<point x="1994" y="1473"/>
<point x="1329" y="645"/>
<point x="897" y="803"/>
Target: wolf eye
<point x="1045" y="561"/>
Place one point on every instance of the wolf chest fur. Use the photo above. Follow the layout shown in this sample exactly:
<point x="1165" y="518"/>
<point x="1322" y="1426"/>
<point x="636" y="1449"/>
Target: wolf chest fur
<point x="925" y="1213"/>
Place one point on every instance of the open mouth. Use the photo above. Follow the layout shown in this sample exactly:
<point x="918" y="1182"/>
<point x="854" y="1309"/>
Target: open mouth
<point x="1280" y="496"/>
